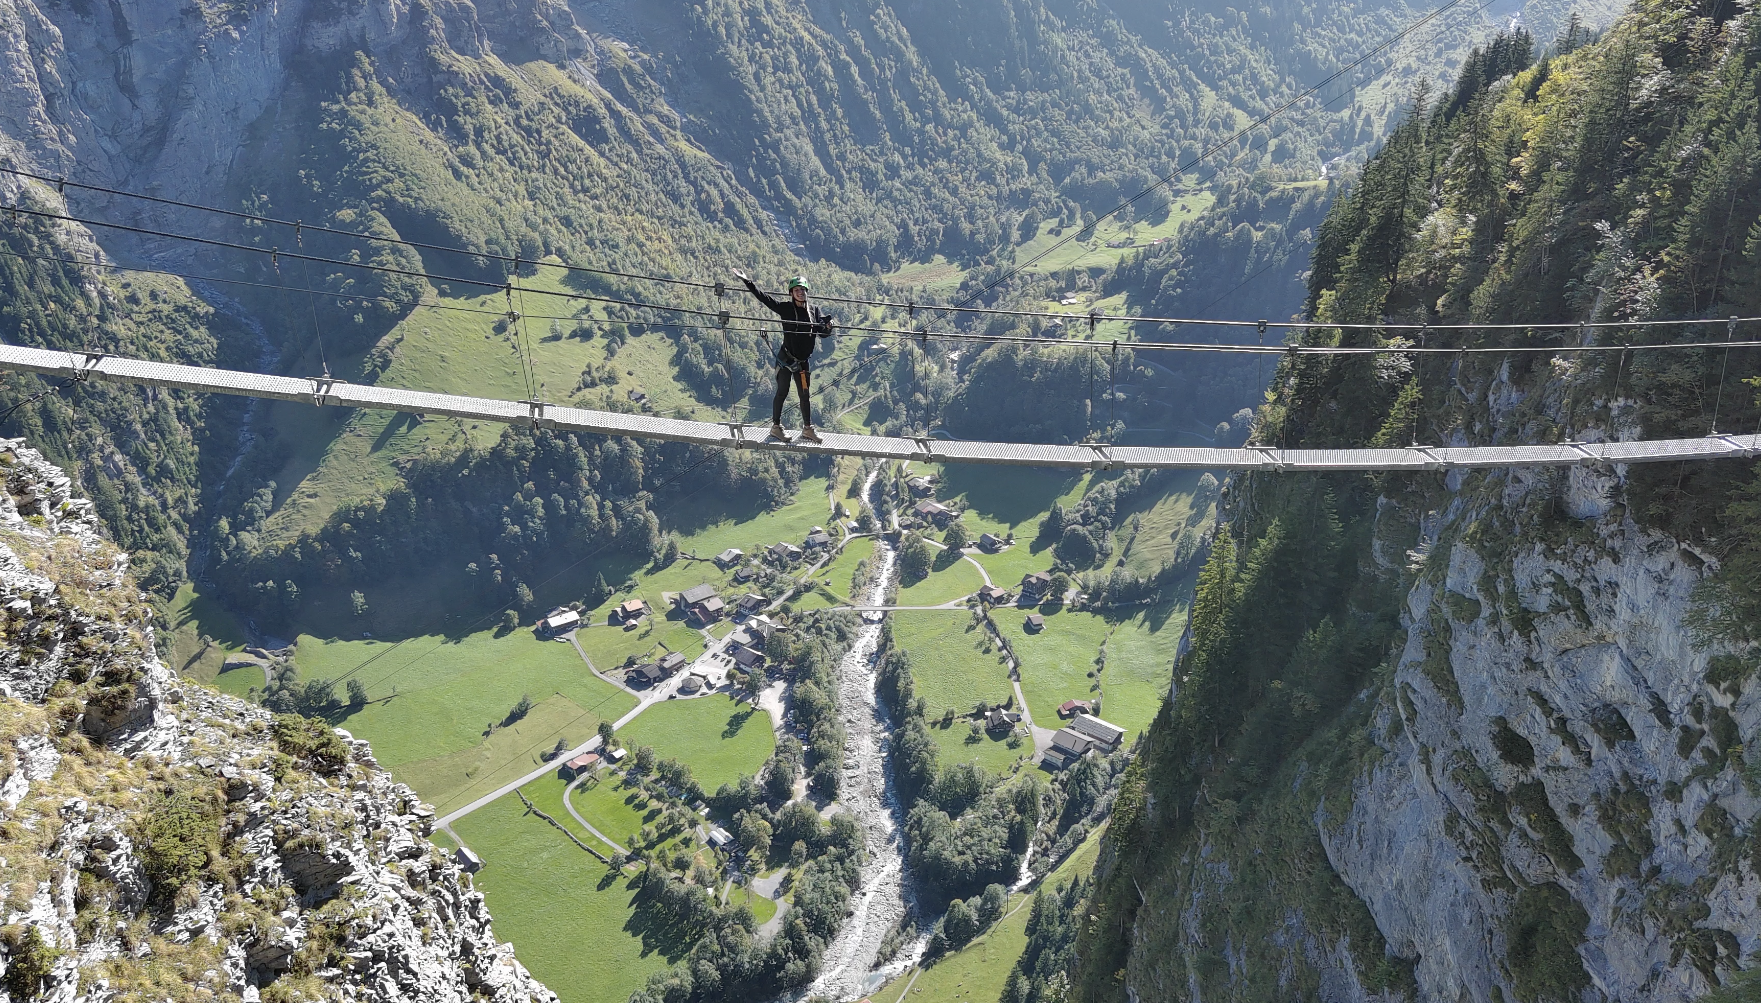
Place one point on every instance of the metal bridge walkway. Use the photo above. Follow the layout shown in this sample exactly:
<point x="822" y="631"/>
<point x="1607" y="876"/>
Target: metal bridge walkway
<point x="734" y="435"/>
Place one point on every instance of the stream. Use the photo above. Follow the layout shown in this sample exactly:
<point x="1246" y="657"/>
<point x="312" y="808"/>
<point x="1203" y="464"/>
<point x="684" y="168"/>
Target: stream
<point x="882" y="899"/>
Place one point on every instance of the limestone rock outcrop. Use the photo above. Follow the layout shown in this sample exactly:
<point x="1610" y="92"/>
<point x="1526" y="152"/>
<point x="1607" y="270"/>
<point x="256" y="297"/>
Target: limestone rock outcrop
<point x="153" y="831"/>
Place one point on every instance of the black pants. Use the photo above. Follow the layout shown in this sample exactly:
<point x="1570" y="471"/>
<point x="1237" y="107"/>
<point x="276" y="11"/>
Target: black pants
<point x="802" y="381"/>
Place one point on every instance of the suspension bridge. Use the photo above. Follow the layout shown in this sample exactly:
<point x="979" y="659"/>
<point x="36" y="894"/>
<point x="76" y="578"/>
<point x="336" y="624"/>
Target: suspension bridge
<point x="322" y="391"/>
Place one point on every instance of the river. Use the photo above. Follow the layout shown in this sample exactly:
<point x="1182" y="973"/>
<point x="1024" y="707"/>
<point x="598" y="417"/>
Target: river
<point x="883" y="897"/>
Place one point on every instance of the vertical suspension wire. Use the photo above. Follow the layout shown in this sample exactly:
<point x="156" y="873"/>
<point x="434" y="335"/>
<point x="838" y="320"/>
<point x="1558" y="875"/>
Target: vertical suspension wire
<point x="311" y="299"/>
<point x="1730" y="332"/>
<point x="1112" y="386"/>
<point x="1613" y="419"/>
<point x="526" y="339"/>
<point x="515" y="331"/>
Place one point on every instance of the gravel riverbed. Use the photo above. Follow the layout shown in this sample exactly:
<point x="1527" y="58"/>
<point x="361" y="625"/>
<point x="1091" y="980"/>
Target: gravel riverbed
<point x="883" y="897"/>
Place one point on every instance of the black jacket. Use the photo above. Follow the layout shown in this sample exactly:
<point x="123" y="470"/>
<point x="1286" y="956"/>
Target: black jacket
<point x="801" y="326"/>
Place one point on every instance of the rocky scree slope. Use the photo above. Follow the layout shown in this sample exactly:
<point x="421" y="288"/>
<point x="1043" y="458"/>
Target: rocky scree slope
<point x="161" y="841"/>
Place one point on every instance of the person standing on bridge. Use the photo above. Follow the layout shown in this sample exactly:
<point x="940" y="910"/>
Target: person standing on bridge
<point x="802" y="327"/>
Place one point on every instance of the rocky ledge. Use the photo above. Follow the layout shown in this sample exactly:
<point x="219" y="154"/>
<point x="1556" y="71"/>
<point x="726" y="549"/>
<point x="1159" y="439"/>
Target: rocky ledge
<point x="159" y="840"/>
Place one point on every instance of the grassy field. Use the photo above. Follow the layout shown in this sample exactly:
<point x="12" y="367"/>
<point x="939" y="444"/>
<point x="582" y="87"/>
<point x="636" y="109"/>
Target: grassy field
<point x="1094" y="252"/>
<point x="841" y="570"/>
<point x="611" y="806"/>
<point x="192" y="617"/>
<point x="342" y="455"/>
<point x="955" y="745"/>
<point x="719" y="739"/>
<point x="762" y="908"/>
<point x="1140" y="663"/>
<point x="579" y="928"/>
<point x="1055" y="662"/>
<point x="432" y="700"/>
<point x="451" y="780"/>
<point x="1163" y="520"/>
<point x="239" y="682"/>
<point x="547" y="796"/>
<point x="976" y="972"/>
<point x="1006" y="500"/>
<point x="950" y="578"/>
<point x="948" y="661"/>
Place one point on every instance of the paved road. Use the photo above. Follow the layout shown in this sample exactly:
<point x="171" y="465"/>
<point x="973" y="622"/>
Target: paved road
<point x="584" y="823"/>
<point x="591" y="745"/>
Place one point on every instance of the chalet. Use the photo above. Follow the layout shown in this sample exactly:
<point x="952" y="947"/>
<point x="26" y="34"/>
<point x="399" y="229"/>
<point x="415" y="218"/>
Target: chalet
<point x="933" y="511"/>
<point x="1067" y="747"/>
<point x="1105" y="735"/>
<point x="761" y="626"/>
<point x="702" y="603"/>
<point x="616" y="756"/>
<point x="1035" y="623"/>
<point x="745" y="575"/>
<point x="818" y="539"/>
<point x="785" y="553"/>
<point x="990" y="543"/>
<point x="752" y="602"/>
<point x="746" y="658"/>
<point x="636" y="396"/>
<point x="993" y="595"/>
<point x="646" y="675"/>
<point x="559" y="623"/>
<point x="469" y="862"/>
<point x="720" y="838"/>
<point x="629" y="611"/>
<point x="691" y="684"/>
<point x="922" y="486"/>
<point x="581" y="765"/>
<point x="1071" y="708"/>
<point x="728" y="558"/>
<point x="1001" y="720"/>
<point x="673" y="662"/>
<point x="1036" y="584"/>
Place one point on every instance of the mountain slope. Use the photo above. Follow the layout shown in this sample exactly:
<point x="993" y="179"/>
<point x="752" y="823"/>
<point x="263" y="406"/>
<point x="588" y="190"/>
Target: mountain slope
<point x="1481" y="736"/>
<point x="165" y="842"/>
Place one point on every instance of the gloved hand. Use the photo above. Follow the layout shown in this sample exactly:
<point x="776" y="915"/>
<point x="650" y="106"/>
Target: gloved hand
<point x="741" y="275"/>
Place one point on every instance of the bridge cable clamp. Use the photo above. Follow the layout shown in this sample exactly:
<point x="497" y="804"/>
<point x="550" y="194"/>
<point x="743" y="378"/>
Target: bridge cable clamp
<point x="535" y="415"/>
<point x="924" y="456"/>
<point x="1103" y="460"/>
<point x="322" y="387"/>
<point x="1585" y="456"/>
<point x="1273" y="457"/>
<point x="737" y="432"/>
<point x="1742" y="450"/>
<point x="1432" y="460"/>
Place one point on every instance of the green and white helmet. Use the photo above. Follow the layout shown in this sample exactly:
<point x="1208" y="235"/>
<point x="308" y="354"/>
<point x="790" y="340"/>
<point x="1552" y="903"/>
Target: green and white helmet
<point x="798" y="282"/>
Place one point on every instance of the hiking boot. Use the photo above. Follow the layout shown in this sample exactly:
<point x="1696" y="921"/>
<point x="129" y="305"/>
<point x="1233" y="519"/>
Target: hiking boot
<point x="808" y="433"/>
<point x="777" y="432"/>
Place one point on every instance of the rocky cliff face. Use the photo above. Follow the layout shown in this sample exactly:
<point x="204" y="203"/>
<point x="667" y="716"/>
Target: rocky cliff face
<point x="163" y="97"/>
<point x="160" y="841"/>
<point x="1557" y="740"/>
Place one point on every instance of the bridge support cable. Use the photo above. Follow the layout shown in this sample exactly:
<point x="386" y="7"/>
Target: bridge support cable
<point x="732" y="435"/>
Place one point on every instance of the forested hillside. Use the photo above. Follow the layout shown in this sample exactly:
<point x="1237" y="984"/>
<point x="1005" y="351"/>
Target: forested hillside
<point x="1480" y="736"/>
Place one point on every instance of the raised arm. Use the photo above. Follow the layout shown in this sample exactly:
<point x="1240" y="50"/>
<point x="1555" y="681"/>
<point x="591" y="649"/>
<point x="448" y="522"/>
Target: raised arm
<point x="759" y="294"/>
